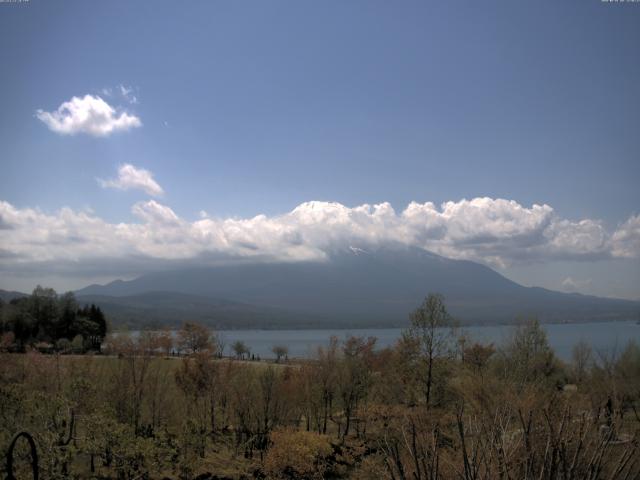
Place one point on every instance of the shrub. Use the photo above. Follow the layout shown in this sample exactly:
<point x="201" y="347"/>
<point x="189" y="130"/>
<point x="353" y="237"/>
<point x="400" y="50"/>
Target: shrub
<point x="77" y="344"/>
<point x="63" y="345"/>
<point x="294" y="454"/>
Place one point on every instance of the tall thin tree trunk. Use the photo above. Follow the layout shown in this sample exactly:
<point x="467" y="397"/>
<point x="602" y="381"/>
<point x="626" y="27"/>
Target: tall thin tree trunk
<point x="429" y="378"/>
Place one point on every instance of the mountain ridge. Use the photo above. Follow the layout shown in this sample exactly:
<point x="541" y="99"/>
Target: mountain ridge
<point x="359" y="287"/>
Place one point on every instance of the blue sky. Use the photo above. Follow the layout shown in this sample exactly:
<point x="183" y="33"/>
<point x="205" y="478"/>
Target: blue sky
<point x="248" y="108"/>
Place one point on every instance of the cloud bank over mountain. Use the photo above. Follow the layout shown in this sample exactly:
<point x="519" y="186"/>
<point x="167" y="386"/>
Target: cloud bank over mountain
<point x="496" y="232"/>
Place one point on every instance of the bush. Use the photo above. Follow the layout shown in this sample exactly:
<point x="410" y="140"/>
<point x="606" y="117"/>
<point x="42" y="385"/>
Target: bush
<point x="7" y="342"/>
<point x="294" y="454"/>
<point x="77" y="344"/>
<point x="63" y="345"/>
<point x="43" y="347"/>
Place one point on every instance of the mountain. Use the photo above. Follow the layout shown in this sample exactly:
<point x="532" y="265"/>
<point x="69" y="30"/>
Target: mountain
<point x="355" y="287"/>
<point x="7" y="296"/>
<point x="155" y="309"/>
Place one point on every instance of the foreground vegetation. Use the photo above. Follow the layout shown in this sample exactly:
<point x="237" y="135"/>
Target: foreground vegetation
<point x="436" y="405"/>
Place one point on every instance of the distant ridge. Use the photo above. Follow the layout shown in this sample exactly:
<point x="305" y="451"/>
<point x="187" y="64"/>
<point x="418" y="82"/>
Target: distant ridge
<point x="354" y="287"/>
<point x="7" y="295"/>
<point x="156" y="309"/>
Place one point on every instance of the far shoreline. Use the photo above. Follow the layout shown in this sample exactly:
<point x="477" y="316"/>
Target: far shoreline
<point x="126" y="329"/>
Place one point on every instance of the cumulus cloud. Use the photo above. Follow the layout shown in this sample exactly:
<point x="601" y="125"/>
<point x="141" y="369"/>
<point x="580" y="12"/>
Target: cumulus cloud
<point x="493" y="231"/>
<point x="89" y="114"/>
<point x="132" y="178"/>
<point x="625" y="242"/>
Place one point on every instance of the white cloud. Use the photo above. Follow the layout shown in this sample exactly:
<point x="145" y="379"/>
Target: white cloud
<point x="89" y="114"/>
<point x="625" y="242"/>
<point x="494" y="231"/>
<point x="130" y="177"/>
<point x="570" y="284"/>
<point x="127" y="93"/>
<point x="152" y="212"/>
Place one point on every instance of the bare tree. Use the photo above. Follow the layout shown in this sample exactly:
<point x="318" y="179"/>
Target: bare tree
<point x="165" y="341"/>
<point x="240" y="349"/>
<point x="581" y="358"/>
<point x="432" y="329"/>
<point x="194" y="338"/>
<point x="354" y="376"/>
<point x="327" y="362"/>
<point x="280" y="351"/>
<point x="529" y="358"/>
<point x="198" y="378"/>
<point x="130" y="376"/>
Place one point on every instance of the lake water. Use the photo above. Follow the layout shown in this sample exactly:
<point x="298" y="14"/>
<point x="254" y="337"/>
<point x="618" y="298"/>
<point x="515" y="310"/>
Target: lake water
<point x="562" y="337"/>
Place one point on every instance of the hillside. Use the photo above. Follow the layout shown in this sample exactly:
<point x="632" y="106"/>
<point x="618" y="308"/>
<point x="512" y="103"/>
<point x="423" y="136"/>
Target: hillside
<point x="7" y="296"/>
<point x="155" y="309"/>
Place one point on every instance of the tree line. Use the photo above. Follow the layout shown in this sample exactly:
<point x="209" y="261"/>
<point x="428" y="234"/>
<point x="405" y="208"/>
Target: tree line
<point x="51" y="322"/>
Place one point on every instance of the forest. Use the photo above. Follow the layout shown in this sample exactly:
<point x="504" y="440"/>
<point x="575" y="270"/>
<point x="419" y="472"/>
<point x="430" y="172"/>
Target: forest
<point x="49" y="322"/>
<point x="436" y="405"/>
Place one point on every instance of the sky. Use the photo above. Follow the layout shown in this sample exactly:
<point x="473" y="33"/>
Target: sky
<point x="143" y="135"/>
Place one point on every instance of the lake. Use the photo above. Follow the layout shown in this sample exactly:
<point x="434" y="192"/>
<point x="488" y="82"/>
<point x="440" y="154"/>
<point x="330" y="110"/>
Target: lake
<point x="562" y="337"/>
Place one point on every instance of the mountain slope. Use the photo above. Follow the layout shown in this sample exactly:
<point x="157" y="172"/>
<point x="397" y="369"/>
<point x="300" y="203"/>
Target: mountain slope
<point x="152" y="309"/>
<point x="7" y="296"/>
<point x="381" y="287"/>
